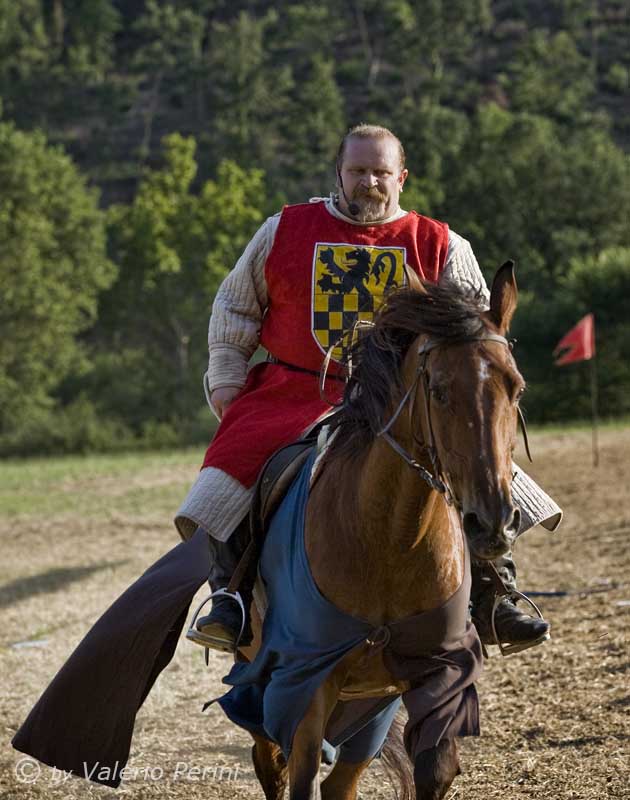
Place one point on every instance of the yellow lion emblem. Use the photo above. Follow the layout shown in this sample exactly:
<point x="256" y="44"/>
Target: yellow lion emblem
<point x="349" y="284"/>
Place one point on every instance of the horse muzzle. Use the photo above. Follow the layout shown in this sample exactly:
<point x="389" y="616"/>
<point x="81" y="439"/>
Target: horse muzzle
<point x="491" y="535"/>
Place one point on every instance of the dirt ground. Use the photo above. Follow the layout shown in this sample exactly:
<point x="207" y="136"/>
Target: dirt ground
<point x="555" y="720"/>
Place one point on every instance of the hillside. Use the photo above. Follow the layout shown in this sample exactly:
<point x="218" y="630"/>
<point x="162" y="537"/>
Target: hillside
<point x="194" y="120"/>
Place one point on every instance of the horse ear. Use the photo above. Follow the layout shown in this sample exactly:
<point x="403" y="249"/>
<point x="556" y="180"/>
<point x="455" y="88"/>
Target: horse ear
<point x="413" y="280"/>
<point x="503" y="296"/>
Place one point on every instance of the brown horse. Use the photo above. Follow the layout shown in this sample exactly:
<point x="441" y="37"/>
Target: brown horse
<point x="433" y="394"/>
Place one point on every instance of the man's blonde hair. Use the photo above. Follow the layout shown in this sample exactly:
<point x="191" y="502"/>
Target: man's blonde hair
<point x="365" y="131"/>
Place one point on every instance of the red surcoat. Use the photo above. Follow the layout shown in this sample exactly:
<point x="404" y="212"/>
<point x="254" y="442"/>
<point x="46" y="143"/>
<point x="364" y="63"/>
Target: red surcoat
<point x="322" y="274"/>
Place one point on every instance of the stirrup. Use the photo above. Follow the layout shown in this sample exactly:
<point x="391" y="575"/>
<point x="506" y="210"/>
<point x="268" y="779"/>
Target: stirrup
<point x="509" y="649"/>
<point x="195" y="635"/>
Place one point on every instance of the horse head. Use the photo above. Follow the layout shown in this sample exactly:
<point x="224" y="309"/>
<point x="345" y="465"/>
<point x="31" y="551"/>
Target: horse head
<point x="467" y="393"/>
<point x="434" y="377"/>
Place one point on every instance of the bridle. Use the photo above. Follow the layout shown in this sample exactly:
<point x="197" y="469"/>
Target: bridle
<point x="436" y="480"/>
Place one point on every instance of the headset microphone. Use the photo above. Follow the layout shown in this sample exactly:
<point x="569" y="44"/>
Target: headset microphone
<point x="353" y="208"/>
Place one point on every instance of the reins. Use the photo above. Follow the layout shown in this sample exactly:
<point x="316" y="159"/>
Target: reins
<point x="435" y="480"/>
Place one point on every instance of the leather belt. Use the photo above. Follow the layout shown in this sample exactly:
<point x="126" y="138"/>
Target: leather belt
<point x="273" y="360"/>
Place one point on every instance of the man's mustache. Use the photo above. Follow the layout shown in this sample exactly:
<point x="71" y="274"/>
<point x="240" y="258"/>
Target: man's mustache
<point x="369" y="194"/>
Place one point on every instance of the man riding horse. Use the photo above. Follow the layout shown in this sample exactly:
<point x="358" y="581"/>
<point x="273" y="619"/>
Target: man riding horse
<point x="307" y="276"/>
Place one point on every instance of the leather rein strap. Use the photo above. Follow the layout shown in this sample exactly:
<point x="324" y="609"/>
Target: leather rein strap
<point x="436" y="479"/>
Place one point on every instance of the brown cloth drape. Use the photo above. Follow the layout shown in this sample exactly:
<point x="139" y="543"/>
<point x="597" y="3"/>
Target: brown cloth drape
<point x="85" y="718"/>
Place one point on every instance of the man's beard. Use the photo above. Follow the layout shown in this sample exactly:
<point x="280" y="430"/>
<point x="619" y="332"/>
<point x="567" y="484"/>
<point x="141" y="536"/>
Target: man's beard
<point x="371" y="203"/>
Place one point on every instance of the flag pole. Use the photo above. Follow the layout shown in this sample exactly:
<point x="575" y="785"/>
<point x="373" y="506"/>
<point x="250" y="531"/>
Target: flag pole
<point x="595" y="446"/>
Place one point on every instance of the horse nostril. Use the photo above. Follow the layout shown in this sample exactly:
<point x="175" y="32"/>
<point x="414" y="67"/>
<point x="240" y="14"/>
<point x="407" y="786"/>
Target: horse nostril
<point x="513" y="526"/>
<point x="472" y="525"/>
<point x="489" y="538"/>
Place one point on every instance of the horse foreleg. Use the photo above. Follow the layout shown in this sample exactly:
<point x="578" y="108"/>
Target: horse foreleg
<point x="435" y="770"/>
<point x="306" y="751"/>
<point x="271" y="768"/>
<point x="342" y="782"/>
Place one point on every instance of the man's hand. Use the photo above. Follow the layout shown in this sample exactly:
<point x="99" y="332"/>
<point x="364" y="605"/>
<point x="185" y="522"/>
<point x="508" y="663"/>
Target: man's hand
<point x="221" y="398"/>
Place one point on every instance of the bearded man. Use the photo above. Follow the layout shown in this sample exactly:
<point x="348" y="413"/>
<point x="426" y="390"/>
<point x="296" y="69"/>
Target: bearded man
<point x="306" y="276"/>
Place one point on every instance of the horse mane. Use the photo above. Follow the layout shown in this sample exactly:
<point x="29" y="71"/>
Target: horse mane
<point x="445" y="313"/>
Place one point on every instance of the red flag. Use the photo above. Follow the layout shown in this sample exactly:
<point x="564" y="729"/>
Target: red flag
<point x="578" y="343"/>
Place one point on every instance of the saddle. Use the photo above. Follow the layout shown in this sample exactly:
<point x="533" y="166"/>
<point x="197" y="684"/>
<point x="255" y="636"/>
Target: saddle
<point x="276" y="476"/>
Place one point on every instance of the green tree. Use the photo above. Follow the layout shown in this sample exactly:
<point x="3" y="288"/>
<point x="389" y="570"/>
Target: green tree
<point x="411" y="49"/>
<point x="81" y="33"/>
<point x="550" y="76"/>
<point x="24" y="47"/>
<point x="598" y="283"/>
<point x="522" y="188"/>
<point x="174" y="246"/>
<point x="52" y="268"/>
<point x="169" y="55"/>
<point x="51" y="53"/>
<point x="429" y="152"/>
<point x="313" y="127"/>
<point x="248" y="93"/>
<point x="601" y="283"/>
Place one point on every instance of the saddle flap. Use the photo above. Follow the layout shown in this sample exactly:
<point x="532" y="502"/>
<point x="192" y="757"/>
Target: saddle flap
<point x="274" y="481"/>
<point x="278" y="474"/>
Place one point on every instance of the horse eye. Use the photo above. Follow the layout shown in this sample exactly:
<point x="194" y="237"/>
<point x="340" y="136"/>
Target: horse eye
<point x="438" y="393"/>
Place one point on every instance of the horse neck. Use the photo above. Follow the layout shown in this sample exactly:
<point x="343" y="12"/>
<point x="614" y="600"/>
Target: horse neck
<point x="381" y="543"/>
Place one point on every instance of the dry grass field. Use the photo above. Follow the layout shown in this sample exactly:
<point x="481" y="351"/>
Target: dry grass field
<point x="76" y="532"/>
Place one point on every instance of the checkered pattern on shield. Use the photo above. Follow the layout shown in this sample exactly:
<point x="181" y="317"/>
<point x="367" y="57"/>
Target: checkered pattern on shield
<point x="349" y="284"/>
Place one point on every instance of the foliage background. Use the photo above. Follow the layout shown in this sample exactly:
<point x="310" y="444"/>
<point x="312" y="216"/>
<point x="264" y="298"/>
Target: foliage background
<point x="142" y="142"/>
